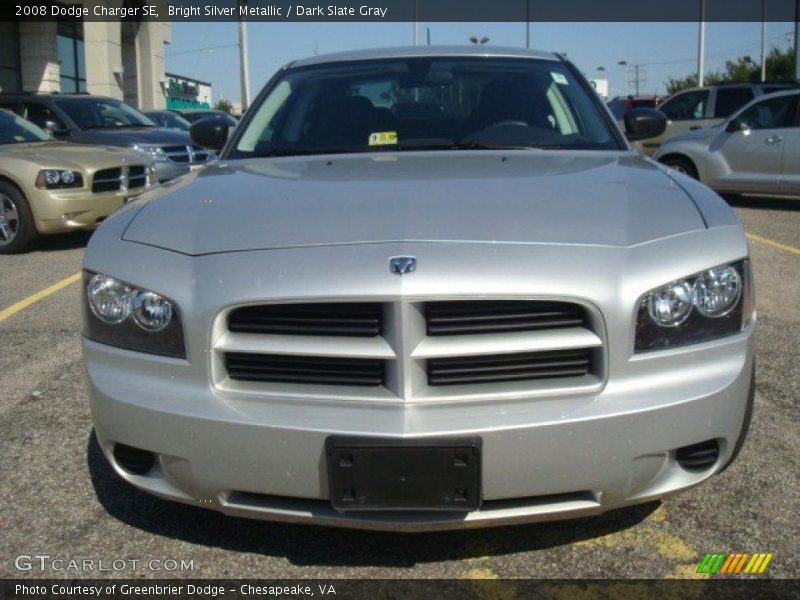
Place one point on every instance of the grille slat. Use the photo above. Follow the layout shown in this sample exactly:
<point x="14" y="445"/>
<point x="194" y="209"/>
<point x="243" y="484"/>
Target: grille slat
<point x="350" y="319"/>
<point x="509" y="367"/>
<point x="303" y="369"/>
<point x="479" y="316"/>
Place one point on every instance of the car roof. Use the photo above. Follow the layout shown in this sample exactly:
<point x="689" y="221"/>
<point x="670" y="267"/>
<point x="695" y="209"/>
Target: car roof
<point x="426" y="51"/>
<point x="791" y="92"/>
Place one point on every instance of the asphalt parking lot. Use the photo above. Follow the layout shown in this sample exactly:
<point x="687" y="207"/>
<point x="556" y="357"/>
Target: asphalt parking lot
<point x="62" y="500"/>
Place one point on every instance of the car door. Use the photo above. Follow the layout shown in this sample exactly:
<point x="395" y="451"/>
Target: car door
<point x="790" y="171"/>
<point x="685" y="111"/>
<point x="750" y="150"/>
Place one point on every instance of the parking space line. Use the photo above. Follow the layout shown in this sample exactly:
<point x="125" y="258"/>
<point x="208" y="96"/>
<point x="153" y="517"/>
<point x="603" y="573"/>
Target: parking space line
<point x="773" y="243"/>
<point x="34" y="298"/>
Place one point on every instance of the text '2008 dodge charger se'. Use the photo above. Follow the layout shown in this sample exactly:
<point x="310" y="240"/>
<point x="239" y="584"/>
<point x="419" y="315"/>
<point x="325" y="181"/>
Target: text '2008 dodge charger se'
<point x="421" y="289"/>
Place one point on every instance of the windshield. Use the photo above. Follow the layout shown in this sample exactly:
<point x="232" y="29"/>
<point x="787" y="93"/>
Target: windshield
<point x="170" y="120"/>
<point x="16" y="130"/>
<point x="102" y="113"/>
<point x="426" y="104"/>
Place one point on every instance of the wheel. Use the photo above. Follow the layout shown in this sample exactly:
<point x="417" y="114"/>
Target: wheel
<point x="681" y="165"/>
<point x="17" y="231"/>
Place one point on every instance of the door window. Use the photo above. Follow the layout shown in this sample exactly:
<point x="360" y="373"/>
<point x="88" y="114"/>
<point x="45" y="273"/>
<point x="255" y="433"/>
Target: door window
<point x="689" y="106"/>
<point x="775" y="113"/>
<point x="39" y="114"/>
<point x="729" y="100"/>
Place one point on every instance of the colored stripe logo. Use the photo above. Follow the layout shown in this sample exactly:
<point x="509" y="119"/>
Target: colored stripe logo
<point x="734" y="563"/>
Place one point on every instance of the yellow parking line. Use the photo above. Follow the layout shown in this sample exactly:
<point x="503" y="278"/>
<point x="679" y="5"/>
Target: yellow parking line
<point x="773" y="243"/>
<point x="41" y="294"/>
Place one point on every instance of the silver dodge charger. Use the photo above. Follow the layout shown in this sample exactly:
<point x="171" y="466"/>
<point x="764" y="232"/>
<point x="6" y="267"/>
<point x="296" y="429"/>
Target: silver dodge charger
<point x="421" y="289"/>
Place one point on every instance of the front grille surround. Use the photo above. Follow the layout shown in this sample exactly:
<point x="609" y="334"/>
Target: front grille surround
<point x="407" y="353"/>
<point x="119" y="179"/>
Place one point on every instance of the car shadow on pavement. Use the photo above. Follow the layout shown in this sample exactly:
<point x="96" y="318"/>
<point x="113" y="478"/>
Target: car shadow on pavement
<point x="787" y="204"/>
<point x="308" y="545"/>
<point x="62" y="241"/>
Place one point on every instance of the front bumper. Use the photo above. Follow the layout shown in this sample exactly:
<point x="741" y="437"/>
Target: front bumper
<point x="542" y="459"/>
<point x="59" y="211"/>
<point x="545" y="455"/>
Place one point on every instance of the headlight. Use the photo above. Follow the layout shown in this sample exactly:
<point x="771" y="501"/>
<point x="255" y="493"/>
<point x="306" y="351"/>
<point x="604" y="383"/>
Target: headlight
<point x="702" y="307"/>
<point x="122" y="315"/>
<point x="154" y="152"/>
<point x="53" y="179"/>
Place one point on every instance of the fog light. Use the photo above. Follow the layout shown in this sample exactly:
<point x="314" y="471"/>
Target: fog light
<point x="698" y="457"/>
<point x="134" y="460"/>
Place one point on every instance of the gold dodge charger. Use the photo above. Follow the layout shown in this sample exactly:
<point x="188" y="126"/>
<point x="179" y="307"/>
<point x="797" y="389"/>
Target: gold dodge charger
<point x="52" y="187"/>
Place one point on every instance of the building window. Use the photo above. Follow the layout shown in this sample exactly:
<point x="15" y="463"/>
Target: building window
<point x="72" y="57"/>
<point x="10" y="79"/>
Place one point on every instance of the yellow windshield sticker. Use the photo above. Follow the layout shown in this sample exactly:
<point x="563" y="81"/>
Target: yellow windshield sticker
<point x="383" y="138"/>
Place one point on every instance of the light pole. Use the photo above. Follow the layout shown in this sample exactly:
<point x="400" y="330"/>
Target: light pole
<point x="528" y="23"/>
<point x="624" y="63"/>
<point x="244" y="75"/>
<point x="701" y="46"/>
<point x="763" y="40"/>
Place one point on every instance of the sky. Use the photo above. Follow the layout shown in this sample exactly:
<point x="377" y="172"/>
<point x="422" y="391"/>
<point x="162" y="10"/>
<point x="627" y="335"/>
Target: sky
<point x="209" y="51"/>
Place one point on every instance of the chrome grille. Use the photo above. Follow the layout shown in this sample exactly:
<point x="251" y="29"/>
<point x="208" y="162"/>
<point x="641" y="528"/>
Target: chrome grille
<point x="186" y="154"/>
<point x="409" y="351"/>
<point x="119" y="179"/>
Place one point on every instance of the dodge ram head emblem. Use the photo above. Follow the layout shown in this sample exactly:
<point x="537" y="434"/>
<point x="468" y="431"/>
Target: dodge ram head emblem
<point x="400" y="265"/>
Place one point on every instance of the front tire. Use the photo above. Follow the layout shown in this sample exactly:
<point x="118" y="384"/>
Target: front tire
<point x="681" y="165"/>
<point x="17" y="230"/>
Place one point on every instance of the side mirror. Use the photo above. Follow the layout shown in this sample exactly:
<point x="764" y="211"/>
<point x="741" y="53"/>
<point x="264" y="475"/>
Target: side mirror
<point x="733" y="126"/>
<point x="57" y="131"/>
<point x="211" y="133"/>
<point x="643" y="123"/>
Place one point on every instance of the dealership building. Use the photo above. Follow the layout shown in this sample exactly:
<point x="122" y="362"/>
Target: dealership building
<point x="124" y="60"/>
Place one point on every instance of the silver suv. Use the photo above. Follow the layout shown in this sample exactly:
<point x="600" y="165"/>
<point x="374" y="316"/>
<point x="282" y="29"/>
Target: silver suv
<point x="698" y="108"/>
<point x="421" y="289"/>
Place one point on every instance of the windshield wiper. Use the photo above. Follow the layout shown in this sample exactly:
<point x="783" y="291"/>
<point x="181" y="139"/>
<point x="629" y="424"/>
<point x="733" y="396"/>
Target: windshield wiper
<point x="305" y="152"/>
<point x="486" y="146"/>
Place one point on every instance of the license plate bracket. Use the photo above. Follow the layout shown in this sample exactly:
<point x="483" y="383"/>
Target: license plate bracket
<point x="369" y="473"/>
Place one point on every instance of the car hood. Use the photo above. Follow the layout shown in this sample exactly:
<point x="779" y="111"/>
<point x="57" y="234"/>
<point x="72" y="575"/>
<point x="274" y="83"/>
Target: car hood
<point x="128" y="137"/>
<point x="77" y="156"/>
<point x="589" y="198"/>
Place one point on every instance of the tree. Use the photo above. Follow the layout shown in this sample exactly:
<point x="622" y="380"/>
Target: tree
<point x="780" y="66"/>
<point x="224" y="106"/>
